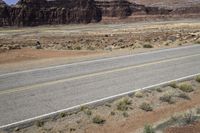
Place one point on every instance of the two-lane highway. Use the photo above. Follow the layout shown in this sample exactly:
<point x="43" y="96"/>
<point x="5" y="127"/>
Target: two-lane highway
<point x="32" y="93"/>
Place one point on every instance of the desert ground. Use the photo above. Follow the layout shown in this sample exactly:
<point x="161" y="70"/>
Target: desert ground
<point x="164" y="109"/>
<point x="69" y="43"/>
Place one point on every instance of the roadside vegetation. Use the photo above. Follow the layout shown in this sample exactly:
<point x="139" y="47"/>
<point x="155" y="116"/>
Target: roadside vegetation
<point x="138" y="105"/>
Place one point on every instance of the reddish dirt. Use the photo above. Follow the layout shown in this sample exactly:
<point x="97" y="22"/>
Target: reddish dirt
<point x="33" y="54"/>
<point x="133" y="123"/>
<point x="194" y="128"/>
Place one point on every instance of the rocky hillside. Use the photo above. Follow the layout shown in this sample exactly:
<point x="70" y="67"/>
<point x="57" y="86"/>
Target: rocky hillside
<point x="43" y="12"/>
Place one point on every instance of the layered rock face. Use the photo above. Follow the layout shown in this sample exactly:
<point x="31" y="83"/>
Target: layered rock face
<point x="43" y="12"/>
<point x="123" y="8"/>
<point x="39" y="12"/>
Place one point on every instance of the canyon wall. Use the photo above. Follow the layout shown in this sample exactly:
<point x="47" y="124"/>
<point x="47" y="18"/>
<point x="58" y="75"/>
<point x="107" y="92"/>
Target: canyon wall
<point x="48" y="12"/>
<point x="39" y="12"/>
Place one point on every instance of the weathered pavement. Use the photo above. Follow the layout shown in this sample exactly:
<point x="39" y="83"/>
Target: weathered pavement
<point x="31" y="93"/>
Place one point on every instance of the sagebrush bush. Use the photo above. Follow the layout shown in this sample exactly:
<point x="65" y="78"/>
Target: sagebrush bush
<point x="122" y="105"/>
<point x="147" y="46"/>
<point x="198" y="78"/>
<point x="189" y="118"/>
<point x="39" y="123"/>
<point x="184" y="96"/>
<point x="167" y="98"/>
<point x="98" y="120"/>
<point x="146" y="107"/>
<point x="173" y="85"/>
<point x="139" y="94"/>
<point x="186" y="88"/>
<point x="148" y="129"/>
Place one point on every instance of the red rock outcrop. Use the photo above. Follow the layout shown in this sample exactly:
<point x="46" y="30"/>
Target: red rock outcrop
<point x="44" y="12"/>
<point x="39" y="12"/>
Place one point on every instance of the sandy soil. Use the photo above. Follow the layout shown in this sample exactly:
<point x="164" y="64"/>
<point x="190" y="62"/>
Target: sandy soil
<point x="193" y="128"/>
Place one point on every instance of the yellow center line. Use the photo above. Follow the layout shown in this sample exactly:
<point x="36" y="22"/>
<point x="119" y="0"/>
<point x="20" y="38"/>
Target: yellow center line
<point x="48" y="83"/>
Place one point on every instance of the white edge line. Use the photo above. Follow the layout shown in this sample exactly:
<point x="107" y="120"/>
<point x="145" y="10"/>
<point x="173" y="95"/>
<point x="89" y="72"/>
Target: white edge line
<point x="94" y="102"/>
<point x="103" y="59"/>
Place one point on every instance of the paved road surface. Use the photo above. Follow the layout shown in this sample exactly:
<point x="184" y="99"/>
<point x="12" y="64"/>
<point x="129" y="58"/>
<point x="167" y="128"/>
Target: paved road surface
<point x="31" y="93"/>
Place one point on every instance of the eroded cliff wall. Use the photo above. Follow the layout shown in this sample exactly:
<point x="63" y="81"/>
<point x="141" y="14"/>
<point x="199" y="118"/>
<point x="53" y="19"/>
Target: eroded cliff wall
<point x="39" y="12"/>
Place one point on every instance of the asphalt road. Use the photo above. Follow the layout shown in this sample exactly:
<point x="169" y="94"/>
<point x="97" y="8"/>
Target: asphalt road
<point x="31" y="93"/>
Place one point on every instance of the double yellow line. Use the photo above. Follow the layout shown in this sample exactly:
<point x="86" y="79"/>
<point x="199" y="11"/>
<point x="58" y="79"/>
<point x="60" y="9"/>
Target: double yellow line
<point x="48" y="83"/>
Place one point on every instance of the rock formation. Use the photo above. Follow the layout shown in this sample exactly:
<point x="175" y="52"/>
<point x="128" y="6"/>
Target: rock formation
<point x="44" y="12"/>
<point x="39" y="12"/>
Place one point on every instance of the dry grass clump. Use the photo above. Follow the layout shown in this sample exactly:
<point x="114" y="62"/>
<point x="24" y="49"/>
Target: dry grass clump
<point x="139" y="94"/>
<point x="147" y="46"/>
<point x="189" y="118"/>
<point x="173" y="85"/>
<point x="122" y="105"/>
<point x="184" y="96"/>
<point x="39" y="123"/>
<point x="198" y="78"/>
<point x="186" y="88"/>
<point x="148" y="129"/>
<point x="198" y="111"/>
<point x="167" y="98"/>
<point x="98" y="120"/>
<point x="146" y="107"/>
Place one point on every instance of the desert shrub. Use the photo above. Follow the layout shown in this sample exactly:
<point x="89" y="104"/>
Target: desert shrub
<point x="72" y="129"/>
<point x="88" y="112"/>
<point x="98" y="120"/>
<point x="148" y="129"/>
<point x="146" y="107"/>
<point x="184" y="96"/>
<point x="125" y="114"/>
<point x="107" y="105"/>
<point x="78" y="48"/>
<point x="198" y="110"/>
<point x="62" y="114"/>
<point x="83" y="108"/>
<point x="112" y="113"/>
<point x="159" y="90"/>
<point x="173" y="85"/>
<point x="147" y="46"/>
<point x="186" y="88"/>
<point x="189" y="118"/>
<point x="122" y="105"/>
<point x="39" y="123"/>
<point x="198" y="42"/>
<point x="198" y="78"/>
<point x="139" y="94"/>
<point x="167" y="98"/>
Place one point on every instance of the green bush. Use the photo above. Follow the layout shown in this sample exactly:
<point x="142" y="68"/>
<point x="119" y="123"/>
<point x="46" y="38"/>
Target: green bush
<point x="122" y="105"/>
<point x="159" y="90"/>
<point x="184" y="96"/>
<point x="198" y="110"/>
<point x="167" y="98"/>
<point x="62" y="114"/>
<point x="98" y="120"/>
<point x="112" y="113"/>
<point x="189" y="118"/>
<point x="173" y="85"/>
<point x="186" y="88"/>
<point x="39" y="123"/>
<point x="198" y="78"/>
<point x="148" y="129"/>
<point x="88" y="112"/>
<point x="125" y="114"/>
<point x="147" y="46"/>
<point x="139" y="94"/>
<point x="146" y="107"/>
